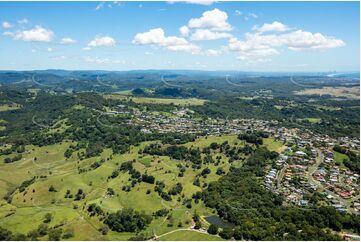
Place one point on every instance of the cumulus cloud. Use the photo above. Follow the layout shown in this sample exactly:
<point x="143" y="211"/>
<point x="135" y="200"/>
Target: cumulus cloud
<point x="200" y="2"/>
<point x="184" y="30"/>
<point x="257" y="45"/>
<point x="6" y="25"/>
<point x="300" y="39"/>
<point x="206" y="34"/>
<point x="249" y="50"/>
<point x="67" y="41"/>
<point x="157" y="37"/>
<point x="215" y="20"/>
<point x="37" y="34"/>
<point x="273" y="27"/>
<point x="106" y="41"/>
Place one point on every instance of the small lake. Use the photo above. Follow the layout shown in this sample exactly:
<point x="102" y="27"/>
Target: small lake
<point x="214" y="219"/>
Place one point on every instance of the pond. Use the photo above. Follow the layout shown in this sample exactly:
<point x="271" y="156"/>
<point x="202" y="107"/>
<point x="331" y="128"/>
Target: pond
<point x="214" y="219"/>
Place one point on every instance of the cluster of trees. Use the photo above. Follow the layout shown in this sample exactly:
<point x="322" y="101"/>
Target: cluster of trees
<point x="53" y="234"/>
<point x="135" y="176"/>
<point x="94" y="209"/>
<point x="255" y="137"/>
<point x="176" y="152"/>
<point x="127" y="220"/>
<point x="258" y="214"/>
<point x="15" y="158"/>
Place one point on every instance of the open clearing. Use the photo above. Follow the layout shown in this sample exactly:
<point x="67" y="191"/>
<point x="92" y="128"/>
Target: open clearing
<point x="186" y="235"/>
<point x="175" y="101"/>
<point x="7" y="107"/>
<point x="346" y="92"/>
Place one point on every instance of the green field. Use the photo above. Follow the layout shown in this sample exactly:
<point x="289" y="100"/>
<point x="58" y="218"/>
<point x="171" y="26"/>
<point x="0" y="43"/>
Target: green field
<point x="339" y="157"/>
<point x="274" y="145"/>
<point x="175" y="101"/>
<point x="7" y="107"/>
<point x="189" y="236"/>
<point x="28" y="208"/>
<point x="311" y="120"/>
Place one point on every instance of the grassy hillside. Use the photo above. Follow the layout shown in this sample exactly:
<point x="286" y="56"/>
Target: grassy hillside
<point x="51" y="169"/>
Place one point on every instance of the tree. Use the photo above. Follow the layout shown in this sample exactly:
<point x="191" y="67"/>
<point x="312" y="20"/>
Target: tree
<point x="52" y="189"/>
<point x="127" y="220"/>
<point x="226" y="233"/>
<point x="220" y="171"/>
<point x="213" y="229"/>
<point x="197" y="225"/>
<point x="43" y="229"/>
<point x="55" y="234"/>
<point x="47" y="218"/>
<point x="104" y="229"/>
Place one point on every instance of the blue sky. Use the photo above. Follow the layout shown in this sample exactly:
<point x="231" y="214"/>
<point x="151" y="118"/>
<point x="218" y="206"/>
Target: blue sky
<point x="245" y="36"/>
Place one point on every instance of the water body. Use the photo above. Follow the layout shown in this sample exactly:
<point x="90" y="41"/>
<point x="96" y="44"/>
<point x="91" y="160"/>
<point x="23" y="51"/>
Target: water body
<point x="214" y="219"/>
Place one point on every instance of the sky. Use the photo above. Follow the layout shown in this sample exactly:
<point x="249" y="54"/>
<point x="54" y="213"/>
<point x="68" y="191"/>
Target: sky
<point x="193" y="34"/>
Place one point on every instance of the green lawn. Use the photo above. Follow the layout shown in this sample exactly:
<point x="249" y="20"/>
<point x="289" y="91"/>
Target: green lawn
<point x="274" y="145"/>
<point x="339" y="157"/>
<point x="189" y="236"/>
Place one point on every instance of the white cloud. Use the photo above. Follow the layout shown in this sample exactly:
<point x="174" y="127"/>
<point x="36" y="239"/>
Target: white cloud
<point x="37" y="34"/>
<point x="184" y="30"/>
<point x="100" y="5"/>
<point x="249" y="50"/>
<point x="212" y="52"/>
<point x="206" y="34"/>
<point x="6" y="25"/>
<point x="296" y="40"/>
<point x="238" y="13"/>
<point x="148" y="53"/>
<point x="100" y="60"/>
<point x="300" y="39"/>
<point x="259" y="46"/>
<point x="157" y="37"/>
<point x="200" y="2"/>
<point x="253" y="15"/>
<point x="215" y="20"/>
<point x="61" y="57"/>
<point x="102" y="41"/>
<point x="23" y="21"/>
<point x="108" y="4"/>
<point x="49" y="49"/>
<point x="275" y="26"/>
<point x="67" y="41"/>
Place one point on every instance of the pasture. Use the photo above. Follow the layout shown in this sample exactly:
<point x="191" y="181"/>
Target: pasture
<point x="174" y="101"/>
